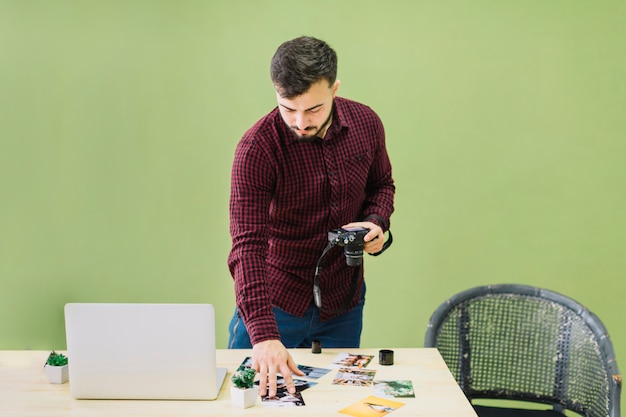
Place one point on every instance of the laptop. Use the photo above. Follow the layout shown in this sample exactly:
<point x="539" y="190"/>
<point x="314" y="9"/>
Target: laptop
<point x="142" y="351"/>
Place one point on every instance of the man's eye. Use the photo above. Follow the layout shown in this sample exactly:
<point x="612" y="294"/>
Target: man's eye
<point x="314" y="110"/>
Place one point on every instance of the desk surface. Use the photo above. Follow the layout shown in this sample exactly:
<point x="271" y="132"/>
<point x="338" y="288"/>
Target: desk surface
<point x="24" y="390"/>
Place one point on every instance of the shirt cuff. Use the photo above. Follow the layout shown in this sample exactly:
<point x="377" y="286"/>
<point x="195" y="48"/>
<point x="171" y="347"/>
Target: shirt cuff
<point x="262" y="329"/>
<point x="377" y="220"/>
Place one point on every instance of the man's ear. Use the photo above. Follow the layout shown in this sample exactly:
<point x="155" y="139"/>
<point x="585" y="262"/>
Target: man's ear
<point x="336" y="87"/>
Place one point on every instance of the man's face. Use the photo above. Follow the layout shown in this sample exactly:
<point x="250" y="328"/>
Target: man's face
<point x="309" y="115"/>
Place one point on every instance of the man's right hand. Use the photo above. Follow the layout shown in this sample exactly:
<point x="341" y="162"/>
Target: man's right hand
<point x="270" y="358"/>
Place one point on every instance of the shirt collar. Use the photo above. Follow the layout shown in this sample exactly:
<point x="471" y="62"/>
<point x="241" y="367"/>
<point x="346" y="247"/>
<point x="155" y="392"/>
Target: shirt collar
<point x="339" y="119"/>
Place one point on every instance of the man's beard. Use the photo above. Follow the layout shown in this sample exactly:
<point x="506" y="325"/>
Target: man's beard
<point x="314" y="137"/>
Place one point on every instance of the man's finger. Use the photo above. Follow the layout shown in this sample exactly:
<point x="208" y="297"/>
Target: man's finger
<point x="289" y="383"/>
<point x="263" y="381"/>
<point x="288" y="371"/>
<point x="272" y="381"/>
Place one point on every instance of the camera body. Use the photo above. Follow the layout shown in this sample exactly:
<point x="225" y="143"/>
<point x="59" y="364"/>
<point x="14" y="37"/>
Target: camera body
<point x="352" y="242"/>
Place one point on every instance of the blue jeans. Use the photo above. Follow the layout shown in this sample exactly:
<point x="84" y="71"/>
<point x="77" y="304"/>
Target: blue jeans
<point x="343" y="331"/>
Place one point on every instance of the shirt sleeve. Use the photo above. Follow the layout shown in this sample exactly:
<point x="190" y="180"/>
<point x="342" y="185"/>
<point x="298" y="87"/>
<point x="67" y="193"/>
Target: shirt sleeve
<point x="252" y="182"/>
<point x="380" y="190"/>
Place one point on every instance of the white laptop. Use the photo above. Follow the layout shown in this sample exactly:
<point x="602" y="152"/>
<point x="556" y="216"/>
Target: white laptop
<point x="142" y="351"/>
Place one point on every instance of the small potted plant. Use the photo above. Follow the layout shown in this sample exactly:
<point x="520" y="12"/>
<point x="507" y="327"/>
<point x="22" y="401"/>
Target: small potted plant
<point x="56" y="368"/>
<point x="243" y="392"/>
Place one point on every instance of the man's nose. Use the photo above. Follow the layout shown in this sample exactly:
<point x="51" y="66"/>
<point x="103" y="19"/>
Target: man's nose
<point x="301" y="121"/>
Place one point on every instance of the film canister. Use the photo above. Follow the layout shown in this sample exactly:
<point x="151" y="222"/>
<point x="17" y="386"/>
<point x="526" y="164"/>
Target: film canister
<point x="385" y="357"/>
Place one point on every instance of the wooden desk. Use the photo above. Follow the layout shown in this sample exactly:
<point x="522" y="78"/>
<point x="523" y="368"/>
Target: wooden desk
<point x="25" y="392"/>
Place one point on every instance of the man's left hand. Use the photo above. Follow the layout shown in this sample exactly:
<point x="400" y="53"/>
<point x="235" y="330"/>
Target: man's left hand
<point x="374" y="239"/>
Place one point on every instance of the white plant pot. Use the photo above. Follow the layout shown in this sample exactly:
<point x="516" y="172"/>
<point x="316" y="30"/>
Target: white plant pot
<point x="244" y="398"/>
<point x="56" y="374"/>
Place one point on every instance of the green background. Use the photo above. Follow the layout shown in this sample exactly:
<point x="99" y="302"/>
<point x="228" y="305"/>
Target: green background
<point x="505" y="123"/>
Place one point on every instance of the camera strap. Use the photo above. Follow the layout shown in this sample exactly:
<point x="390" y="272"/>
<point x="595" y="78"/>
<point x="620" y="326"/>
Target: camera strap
<point x="317" y="292"/>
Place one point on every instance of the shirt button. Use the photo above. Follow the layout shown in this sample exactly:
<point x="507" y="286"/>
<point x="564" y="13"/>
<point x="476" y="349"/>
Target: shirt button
<point x="334" y="204"/>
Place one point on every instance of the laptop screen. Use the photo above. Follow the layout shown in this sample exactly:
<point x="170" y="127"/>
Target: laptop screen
<point x="142" y="351"/>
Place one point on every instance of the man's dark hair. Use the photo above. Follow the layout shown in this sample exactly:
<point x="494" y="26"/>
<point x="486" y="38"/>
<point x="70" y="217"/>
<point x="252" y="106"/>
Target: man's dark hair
<point x="301" y="62"/>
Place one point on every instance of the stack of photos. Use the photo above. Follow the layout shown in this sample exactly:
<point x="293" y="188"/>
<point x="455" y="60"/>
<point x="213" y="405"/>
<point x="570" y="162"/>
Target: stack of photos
<point x="283" y="398"/>
<point x="350" y="372"/>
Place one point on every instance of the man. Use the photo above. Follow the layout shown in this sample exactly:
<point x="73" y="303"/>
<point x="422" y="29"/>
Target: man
<point x="314" y="164"/>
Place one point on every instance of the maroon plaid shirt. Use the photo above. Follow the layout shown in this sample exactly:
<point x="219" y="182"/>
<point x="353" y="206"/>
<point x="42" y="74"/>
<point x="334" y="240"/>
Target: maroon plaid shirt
<point x="285" y="197"/>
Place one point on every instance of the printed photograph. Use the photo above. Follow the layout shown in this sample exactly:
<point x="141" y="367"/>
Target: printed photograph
<point x="372" y="406"/>
<point x="313" y="372"/>
<point x="354" y="377"/>
<point x="283" y="399"/>
<point x="394" y="389"/>
<point x="246" y="363"/>
<point x="350" y="360"/>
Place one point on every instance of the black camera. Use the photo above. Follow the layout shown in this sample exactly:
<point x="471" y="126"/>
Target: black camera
<point x="352" y="241"/>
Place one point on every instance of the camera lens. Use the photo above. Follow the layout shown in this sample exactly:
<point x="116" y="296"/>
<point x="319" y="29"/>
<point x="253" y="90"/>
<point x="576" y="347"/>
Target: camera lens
<point x="353" y="257"/>
<point x="352" y="241"/>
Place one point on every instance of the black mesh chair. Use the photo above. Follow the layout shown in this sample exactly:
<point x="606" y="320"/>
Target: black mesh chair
<point x="514" y="342"/>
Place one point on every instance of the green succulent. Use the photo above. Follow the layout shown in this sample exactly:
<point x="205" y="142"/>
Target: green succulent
<point x="244" y="378"/>
<point x="56" y="359"/>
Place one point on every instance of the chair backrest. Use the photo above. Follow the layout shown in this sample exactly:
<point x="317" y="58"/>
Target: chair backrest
<point x="523" y="343"/>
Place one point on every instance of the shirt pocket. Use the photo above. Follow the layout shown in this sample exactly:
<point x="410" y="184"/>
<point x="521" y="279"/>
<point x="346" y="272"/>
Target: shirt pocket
<point x="357" y="168"/>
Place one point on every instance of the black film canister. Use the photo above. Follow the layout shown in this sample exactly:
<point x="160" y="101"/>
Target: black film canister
<point x="317" y="347"/>
<point x="385" y="357"/>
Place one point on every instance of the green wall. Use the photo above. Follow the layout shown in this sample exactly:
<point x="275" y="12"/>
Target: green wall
<point x="118" y="121"/>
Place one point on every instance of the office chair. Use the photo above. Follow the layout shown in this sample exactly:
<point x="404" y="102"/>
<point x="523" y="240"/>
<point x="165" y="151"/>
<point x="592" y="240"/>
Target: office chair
<point x="515" y="342"/>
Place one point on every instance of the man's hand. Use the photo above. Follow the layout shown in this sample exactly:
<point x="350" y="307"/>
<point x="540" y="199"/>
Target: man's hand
<point x="374" y="239"/>
<point x="269" y="358"/>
